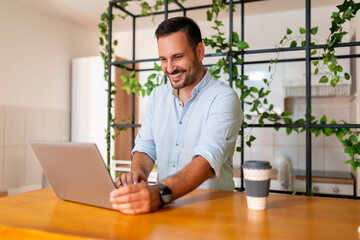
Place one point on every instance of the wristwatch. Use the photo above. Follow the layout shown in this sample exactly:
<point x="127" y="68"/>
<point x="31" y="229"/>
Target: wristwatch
<point x="165" y="193"/>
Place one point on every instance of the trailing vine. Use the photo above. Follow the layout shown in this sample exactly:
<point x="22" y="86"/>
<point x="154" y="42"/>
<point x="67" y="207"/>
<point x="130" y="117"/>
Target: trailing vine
<point x="261" y="110"/>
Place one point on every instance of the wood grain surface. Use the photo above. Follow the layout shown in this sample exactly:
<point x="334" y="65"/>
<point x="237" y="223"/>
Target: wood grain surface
<point x="202" y="214"/>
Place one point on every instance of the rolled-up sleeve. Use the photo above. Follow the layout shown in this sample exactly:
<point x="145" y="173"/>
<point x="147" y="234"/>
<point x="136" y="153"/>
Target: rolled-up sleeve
<point x="144" y="141"/>
<point x="220" y="130"/>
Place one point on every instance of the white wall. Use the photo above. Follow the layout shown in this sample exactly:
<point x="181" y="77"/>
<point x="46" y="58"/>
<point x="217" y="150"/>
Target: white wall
<point x="36" y="52"/>
<point x="35" y="78"/>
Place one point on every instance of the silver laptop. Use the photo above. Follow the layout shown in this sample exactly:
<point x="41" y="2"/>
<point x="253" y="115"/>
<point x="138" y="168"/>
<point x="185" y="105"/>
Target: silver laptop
<point x="75" y="171"/>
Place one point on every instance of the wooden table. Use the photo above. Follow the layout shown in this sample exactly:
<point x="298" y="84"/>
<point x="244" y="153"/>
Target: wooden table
<point x="202" y="214"/>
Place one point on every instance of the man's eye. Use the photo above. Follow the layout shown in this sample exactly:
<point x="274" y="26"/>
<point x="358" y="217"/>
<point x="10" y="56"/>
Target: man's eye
<point x="178" y="57"/>
<point x="162" y="59"/>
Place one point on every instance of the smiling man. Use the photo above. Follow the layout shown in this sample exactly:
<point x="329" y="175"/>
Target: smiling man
<point x="190" y="127"/>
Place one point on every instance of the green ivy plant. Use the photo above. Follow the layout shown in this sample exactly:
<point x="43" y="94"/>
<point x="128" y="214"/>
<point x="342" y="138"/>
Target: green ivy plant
<point x="261" y="110"/>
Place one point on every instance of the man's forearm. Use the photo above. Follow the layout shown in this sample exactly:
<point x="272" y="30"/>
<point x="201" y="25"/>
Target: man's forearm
<point x="190" y="177"/>
<point x="142" y="163"/>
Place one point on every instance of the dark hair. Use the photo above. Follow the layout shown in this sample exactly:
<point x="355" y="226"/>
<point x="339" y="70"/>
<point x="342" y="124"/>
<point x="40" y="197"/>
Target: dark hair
<point x="184" y="24"/>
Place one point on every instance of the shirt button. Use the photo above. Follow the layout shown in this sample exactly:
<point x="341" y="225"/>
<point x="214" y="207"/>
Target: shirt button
<point x="173" y="165"/>
<point x="227" y="139"/>
<point x="180" y="104"/>
<point x="177" y="144"/>
<point x="198" y="91"/>
<point x="180" y="122"/>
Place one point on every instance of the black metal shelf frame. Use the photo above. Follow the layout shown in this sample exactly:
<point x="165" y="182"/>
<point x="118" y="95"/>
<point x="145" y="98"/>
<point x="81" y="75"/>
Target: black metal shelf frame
<point x="307" y="60"/>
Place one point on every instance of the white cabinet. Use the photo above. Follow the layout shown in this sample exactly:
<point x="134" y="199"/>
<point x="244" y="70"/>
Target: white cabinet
<point x="89" y="102"/>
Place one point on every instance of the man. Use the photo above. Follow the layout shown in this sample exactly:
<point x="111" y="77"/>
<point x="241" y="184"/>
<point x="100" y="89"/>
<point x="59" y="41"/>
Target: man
<point x="190" y="127"/>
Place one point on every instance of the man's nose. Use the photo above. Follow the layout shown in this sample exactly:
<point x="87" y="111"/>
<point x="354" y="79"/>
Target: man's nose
<point x="170" y="67"/>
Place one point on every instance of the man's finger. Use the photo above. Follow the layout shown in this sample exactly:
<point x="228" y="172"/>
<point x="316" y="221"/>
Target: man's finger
<point x="124" y="179"/>
<point x="136" y="207"/>
<point x="135" y="178"/>
<point x="129" y="178"/>
<point x="127" y="189"/>
<point x="131" y="197"/>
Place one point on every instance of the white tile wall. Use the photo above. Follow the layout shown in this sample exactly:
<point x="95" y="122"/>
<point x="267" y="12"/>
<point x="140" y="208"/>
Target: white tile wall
<point x="52" y="125"/>
<point x="334" y="160"/>
<point x="33" y="171"/>
<point x="265" y="153"/>
<point x="14" y="126"/>
<point x="19" y="168"/>
<point x="282" y="139"/>
<point x="332" y="141"/>
<point x="264" y="136"/>
<point x="317" y="158"/>
<point x="315" y="141"/>
<point x="34" y="124"/>
<point x="14" y="167"/>
<point x="1" y="169"/>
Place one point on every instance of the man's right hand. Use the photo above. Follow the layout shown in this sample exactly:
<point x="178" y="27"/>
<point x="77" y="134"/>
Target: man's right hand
<point x="130" y="178"/>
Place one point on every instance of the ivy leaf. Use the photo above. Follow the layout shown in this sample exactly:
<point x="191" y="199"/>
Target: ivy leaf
<point x="242" y="45"/>
<point x="314" y="30"/>
<point x="324" y="79"/>
<point x="248" y="116"/>
<point x="209" y="15"/>
<point x="239" y="149"/>
<point x="115" y="42"/>
<point x="254" y="90"/>
<point x="346" y="76"/>
<point x="244" y="95"/>
<point x="293" y="44"/>
<point x="315" y="63"/>
<point x="323" y="120"/>
<point x="288" y="31"/>
<point x="288" y="130"/>
<point x="286" y="113"/>
<point x="302" y="30"/>
<point x="353" y="138"/>
<point x="252" y="138"/>
<point x="287" y="120"/>
<point x="157" y="67"/>
<point x="313" y="52"/>
<point x="316" y="70"/>
<point x="152" y="76"/>
<point x="235" y="37"/>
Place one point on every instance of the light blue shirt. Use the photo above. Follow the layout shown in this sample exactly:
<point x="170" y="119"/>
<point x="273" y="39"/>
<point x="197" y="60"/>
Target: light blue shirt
<point x="206" y="125"/>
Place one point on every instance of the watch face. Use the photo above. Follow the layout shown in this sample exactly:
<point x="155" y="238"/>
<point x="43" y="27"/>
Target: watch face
<point x="166" y="198"/>
<point x="165" y="193"/>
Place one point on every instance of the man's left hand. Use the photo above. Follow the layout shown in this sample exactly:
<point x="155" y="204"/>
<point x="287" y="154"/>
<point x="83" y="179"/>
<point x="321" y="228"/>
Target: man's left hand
<point x="136" y="198"/>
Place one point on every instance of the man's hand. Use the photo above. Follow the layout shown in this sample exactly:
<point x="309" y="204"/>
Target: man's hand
<point x="131" y="178"/>
<point x="136" y="198"/>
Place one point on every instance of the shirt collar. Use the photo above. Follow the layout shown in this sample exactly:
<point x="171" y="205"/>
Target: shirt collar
<point x="201" y="85"/>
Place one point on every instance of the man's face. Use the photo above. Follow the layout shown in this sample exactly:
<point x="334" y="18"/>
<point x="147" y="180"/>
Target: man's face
<point x="178" y="61"/>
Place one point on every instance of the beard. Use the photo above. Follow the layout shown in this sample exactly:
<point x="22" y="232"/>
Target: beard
<point x="189" y="78"/>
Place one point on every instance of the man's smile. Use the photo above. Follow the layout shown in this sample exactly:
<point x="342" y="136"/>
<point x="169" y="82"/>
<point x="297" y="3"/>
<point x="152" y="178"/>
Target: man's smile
<point x="176" y="76"/>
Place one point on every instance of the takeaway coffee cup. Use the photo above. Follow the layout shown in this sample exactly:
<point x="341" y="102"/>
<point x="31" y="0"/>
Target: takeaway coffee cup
<point x="257" y="183"/>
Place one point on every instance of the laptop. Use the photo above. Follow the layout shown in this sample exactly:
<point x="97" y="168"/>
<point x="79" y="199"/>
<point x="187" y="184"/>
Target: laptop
<point x="75" y="171"/>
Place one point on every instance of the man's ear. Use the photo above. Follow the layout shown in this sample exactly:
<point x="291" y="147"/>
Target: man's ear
<point x="200" y="51"/>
